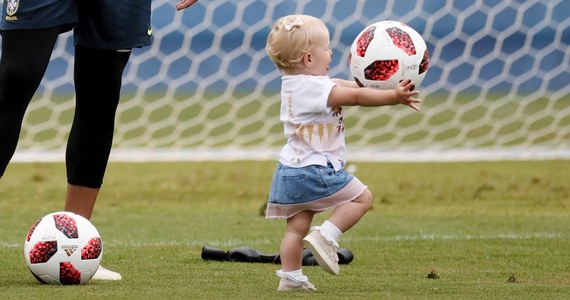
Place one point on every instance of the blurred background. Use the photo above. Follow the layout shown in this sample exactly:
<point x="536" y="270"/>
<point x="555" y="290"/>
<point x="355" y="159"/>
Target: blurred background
<point x="498" y="84"/>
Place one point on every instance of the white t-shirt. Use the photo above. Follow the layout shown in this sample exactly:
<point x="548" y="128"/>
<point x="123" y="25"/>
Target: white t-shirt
<point x="315" y="131"/>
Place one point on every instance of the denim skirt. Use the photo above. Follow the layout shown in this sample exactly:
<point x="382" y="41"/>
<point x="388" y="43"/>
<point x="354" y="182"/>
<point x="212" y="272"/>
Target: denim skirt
<point x="315" y="188"/>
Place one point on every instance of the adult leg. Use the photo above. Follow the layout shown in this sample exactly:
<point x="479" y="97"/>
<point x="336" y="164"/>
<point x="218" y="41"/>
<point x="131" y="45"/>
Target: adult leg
<point x="25" y="57"/>
<point x="98" y="84"/>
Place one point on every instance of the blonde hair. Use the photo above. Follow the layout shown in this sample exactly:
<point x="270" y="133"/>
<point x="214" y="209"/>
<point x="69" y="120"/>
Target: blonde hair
<point x="291" y="38"/>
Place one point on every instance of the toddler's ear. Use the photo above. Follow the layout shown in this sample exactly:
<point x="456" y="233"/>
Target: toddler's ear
<point x="307" y="59"/>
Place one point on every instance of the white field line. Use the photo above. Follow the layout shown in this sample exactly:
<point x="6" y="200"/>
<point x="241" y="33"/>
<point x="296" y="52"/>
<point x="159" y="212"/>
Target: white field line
<point x="249" y="243"/>
<point x="261" y="154"/>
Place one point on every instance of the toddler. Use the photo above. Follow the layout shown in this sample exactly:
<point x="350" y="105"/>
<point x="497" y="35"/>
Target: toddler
<point x="310" y="175"/>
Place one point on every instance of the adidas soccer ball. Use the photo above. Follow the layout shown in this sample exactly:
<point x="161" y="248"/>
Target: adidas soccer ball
<point x="63" y="248"/>
<point x="387" y="52"/>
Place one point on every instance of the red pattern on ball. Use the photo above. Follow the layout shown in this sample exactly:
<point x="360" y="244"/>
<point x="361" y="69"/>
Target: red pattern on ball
<point x="381" y="69"/>
<point x="425" y="63"/>
<point x="92" y="250"/>
<point x="402" y="40"/>
<point x="364" y="40"/>
<point x="31" y="231"/>
<point x="42" y="252"/>
<point x="66" y="225"/>
<point x="68" y="274"/>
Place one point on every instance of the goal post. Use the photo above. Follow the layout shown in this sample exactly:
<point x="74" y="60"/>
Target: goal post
<point x="498" y="86"/>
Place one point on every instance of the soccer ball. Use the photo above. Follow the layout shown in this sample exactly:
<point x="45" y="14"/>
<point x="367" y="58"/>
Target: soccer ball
<point x="387" y="52"/>
<point x="63" y="248"/>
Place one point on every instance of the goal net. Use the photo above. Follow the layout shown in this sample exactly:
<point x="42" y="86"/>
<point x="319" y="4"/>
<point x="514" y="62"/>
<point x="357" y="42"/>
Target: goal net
<point x="497" y="88"/>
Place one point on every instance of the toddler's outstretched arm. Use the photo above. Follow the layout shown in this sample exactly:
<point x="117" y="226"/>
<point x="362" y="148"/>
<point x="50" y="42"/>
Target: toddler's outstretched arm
<point x="347" y="93"/>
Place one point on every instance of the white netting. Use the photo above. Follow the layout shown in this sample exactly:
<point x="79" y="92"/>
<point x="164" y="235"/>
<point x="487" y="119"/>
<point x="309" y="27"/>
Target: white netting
<point x="498" y="85"/>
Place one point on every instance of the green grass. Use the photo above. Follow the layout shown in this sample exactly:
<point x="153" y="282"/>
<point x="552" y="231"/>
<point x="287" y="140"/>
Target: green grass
<point x="488" y="230"/>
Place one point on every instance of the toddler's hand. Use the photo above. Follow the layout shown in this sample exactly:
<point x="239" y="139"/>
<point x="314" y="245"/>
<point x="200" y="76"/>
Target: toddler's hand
<point x="406" y="94"/>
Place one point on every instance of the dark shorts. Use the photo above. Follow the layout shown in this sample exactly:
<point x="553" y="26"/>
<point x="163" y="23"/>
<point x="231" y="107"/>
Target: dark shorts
<point x="114" y="24"/>
<point x="103" y="24"/>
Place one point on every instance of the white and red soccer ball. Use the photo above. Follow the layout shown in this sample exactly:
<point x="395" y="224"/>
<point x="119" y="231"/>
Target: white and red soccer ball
<point x="387" y="52"/>
<point x="63" y="248"/>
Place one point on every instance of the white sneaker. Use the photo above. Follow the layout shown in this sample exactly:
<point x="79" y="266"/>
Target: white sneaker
<point x="286" y="285"/>
<point x="323" y="250"/>
<point x="289" y="283"/>
<point x="104" y="274"/>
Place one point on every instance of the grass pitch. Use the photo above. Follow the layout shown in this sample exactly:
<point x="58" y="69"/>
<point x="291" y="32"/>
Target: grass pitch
<point x="485" y="230"/>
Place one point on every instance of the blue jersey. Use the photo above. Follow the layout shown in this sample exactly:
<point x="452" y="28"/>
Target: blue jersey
<point x="38" y="14"/>
<point x="102" y="24"/>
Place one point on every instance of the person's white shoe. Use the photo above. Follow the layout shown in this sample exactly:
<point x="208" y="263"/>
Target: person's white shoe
<point x="105" y="274"/>
<point x="323" y="250"/>
<point x="290" y="283"/>
<point x="286" y="285"/>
